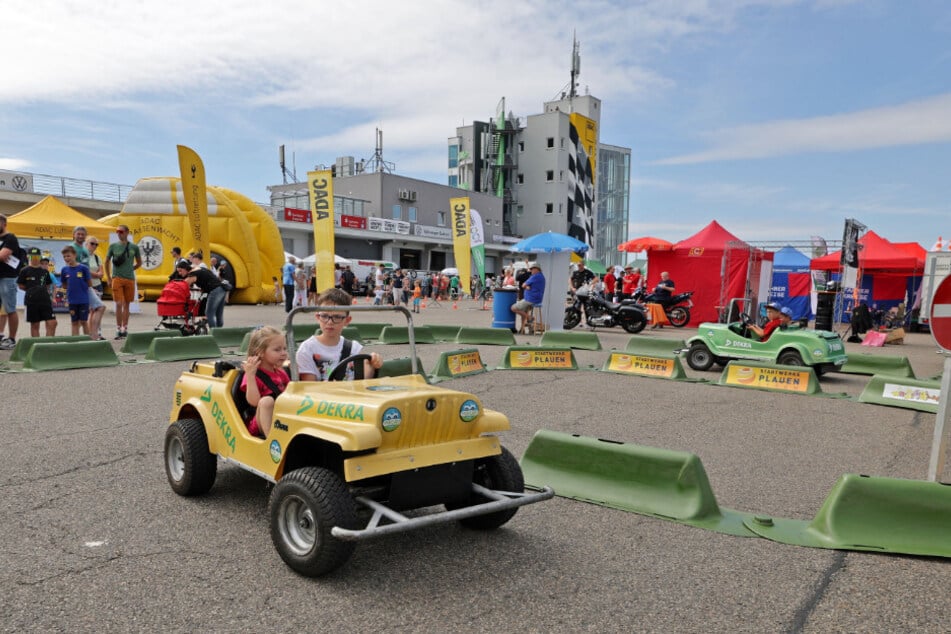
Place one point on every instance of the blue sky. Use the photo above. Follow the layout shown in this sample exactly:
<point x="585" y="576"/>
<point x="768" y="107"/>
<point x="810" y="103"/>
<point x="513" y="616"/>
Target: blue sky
<point x="778" y="118"/>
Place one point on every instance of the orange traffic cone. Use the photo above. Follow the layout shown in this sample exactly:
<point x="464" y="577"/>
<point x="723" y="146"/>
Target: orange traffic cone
<point x="455" y="305"/>
<point x="423" y="303"/>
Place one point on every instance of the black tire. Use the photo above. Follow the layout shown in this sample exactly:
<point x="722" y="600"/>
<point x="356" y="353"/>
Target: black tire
<point x="305" y="505"/>
<point x="720" y="361"/>
<point x="572" y="318"/>
<point x="789" y="357"/>
<point x="699" y="357"/>
<point x="633" y="323"/>
<point x="500" y="473"/>
<point x="190" y="468"/>
<point x="679" y="316"/>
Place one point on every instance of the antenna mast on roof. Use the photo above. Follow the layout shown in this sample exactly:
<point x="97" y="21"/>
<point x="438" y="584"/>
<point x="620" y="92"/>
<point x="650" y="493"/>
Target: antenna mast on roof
<point x="284" y="171"/>
<point x="376" y="163"/>
<point x="575" y="66"/>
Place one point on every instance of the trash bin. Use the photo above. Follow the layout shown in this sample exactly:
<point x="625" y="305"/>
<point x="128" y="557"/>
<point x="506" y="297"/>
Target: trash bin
<point x="825" y="308"/>
<point x="502" y="301"/>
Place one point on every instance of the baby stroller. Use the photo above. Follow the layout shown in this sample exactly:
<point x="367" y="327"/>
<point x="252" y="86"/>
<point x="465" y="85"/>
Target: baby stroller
<point x="182" y="308"/>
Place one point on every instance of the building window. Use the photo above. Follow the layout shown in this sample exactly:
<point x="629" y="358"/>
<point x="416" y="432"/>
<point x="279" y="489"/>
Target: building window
<point x="520" y="179"/>
<point x="521" y="146"/>
<point x="453" y="156"/>
<point x="549" y="208"/>
<point x="397" y="212"/>
<point x="550" y="175"/>
<point x="561" y="143"/>
<point x="454" y="181"/>
<point x="411" y="214"/>
<point x="551" y="141"/>
<point x="561" y="175"/>
<point x="441" y="218"/>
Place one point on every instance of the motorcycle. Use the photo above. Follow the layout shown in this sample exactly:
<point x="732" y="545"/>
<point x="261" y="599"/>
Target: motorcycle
<point x="676" y="307"/>
<point x="599" y="312"/>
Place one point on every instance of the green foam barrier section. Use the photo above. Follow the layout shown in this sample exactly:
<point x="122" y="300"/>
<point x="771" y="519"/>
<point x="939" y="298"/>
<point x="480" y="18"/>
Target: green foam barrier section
<point x="538" y="358"/>
<point x="70" y="356"/>
<point x="400" y="334"/>
<point x="352" y="333"/>
<point x="648" y="346"/>
<point x="368" y="330"/>
<point x="790" y="379"/>
<point x="873" y="514"/>
<point x="182" y="348"/>
<point x="23" y="345"/>
<point x="401" y="366"/>
<point x="444" y="333"/>
<point x="898" y="391"/>
<point x="658" y="365"/>
<point x="229" y="337"/>
<point x="486" y="336"/>
<point x="246" y="341"/>
<point x="458" y="363"/>
<point x="577" y="340"/>
<point x="139" y="342"/>
<point x="304" y="331"/>
<point x="867" y="363"/>
<point x="662" y="483"/>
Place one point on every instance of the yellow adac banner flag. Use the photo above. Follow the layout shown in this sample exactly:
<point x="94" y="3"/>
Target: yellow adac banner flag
<point x="461" y="242"/>
<point x="196" y="200"/>
<point x="321" y="186"/>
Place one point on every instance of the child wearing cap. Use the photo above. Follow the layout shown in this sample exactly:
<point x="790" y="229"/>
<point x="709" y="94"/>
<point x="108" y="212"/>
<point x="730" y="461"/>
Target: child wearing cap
<point x="774" y="315"/>
<point x="35" y="281"/>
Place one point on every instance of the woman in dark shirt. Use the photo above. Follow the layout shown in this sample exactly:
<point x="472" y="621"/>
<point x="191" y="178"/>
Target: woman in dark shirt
<point x="207" y="282"/>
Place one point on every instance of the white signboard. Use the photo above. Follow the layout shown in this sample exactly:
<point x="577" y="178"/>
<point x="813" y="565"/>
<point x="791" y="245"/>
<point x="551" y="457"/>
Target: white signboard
<point x="428" y="231"/>
<point x="16" y="181"/>
<point x="388" y="226"/>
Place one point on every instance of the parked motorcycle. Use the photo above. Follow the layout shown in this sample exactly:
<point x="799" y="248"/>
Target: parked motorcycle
<point x="599" y="312"/>
<point x="677" y="307"/>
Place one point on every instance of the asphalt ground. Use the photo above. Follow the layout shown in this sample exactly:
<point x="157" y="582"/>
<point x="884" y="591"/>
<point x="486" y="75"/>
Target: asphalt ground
<point x="95" y="540"/>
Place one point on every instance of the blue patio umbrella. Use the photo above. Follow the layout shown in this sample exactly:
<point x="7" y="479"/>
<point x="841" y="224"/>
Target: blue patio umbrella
<point x="549" y="243"/>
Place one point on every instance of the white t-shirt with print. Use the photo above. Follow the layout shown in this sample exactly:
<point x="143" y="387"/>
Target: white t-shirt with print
<point x="315" y="358"/>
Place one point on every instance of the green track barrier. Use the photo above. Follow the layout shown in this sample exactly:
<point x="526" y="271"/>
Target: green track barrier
<point x="246" y="341"/>
<point x="457" y="363"/>
<point x="537" y="358"/>
<point x="486" y="336"/>
<point x="352" y="333"/>
<point x="671" y="485"/>
<point x="400" y="334"/>
<point x="70" y="356"/>
<point x="648" y="346"/>
<point x="139" y="342"/>
<point x="772" y="377"/>
<point x="866" y="363"/>
<point x="897" y="391"/>
<point x="872" y="513"/>
<point x="443" y="333"/>
<point x="22" y="349"/>
<point x="303" y="331"/>
<point x="230" y="337"/>
<point x="182" y="348"/>
<point x="368" y="330"/>
<point x="658" y="365"/>
<point x="576" y="340"/>
<point x="401" y="366"/>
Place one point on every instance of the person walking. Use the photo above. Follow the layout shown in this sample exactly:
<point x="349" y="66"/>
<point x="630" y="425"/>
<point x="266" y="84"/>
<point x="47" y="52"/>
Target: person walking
<point x="122" y="260"/>
<point x="287" y="275"/>
<point x="10" y="265"/>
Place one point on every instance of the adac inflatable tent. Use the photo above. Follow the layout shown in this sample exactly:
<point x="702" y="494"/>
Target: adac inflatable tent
<point x="241" y="232"/>
<point x="711" y="261"/>
<point x="890" y="272"/>
<point x="792" y="282"/>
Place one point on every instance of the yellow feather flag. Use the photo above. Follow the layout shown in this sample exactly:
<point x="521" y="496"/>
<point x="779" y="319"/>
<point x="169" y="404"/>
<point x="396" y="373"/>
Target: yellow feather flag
<point x="196" y="199"/>
<point x="321" y="186"/>
<point x="461" y="245"/>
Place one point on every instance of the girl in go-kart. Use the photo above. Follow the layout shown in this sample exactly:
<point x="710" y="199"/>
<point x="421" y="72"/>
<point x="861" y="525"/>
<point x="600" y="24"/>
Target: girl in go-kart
<point x="264" y="376"/>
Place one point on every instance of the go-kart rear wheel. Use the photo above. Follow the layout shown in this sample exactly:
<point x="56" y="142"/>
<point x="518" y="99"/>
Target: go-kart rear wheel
<point x="501" y="473"/>
<point x="679" y="316"/>
<point x="699" y="356"/>
<point x="305" y="505"/>
<point x="789" y="357"/>
<point x="190" y="468"/>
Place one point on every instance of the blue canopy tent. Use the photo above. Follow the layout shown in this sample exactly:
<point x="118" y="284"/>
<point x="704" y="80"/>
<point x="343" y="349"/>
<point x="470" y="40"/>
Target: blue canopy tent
<point x="792" y="282"/>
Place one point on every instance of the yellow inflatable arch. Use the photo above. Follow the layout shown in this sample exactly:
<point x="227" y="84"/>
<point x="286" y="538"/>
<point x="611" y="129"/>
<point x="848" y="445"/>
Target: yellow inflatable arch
<point x="241" y="232"/>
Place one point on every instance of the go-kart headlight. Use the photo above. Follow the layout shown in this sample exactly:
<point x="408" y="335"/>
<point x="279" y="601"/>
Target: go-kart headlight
<point x="392" y="419"/>
<point x="469" y="411"/>
<point x="817" y="352"/>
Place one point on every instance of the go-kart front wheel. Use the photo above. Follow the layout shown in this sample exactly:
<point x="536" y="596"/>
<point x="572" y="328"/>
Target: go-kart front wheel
<point x="501" y="473"/>
<point x="190" y="468"/>
<point x="699" y="357"/>
<point x="305" y="505"/>
<point x="790" y="357"/>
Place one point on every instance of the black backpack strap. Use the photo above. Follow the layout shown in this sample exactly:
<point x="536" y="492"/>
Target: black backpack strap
<point x="347" y="347"/>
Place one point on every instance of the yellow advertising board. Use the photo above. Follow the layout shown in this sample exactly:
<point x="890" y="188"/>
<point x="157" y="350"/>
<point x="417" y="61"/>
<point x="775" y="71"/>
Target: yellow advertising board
<point x="641" y="365"/>
<point x="321" y="186"/>
<point x="461" y="241"/>
<point x="541" y="359"/>
<point x="463" y="363"/>
<point x="781" y="379"/>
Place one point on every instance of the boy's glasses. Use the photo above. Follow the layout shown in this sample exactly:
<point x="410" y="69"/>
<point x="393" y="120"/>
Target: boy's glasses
<point x="331" y="317"/>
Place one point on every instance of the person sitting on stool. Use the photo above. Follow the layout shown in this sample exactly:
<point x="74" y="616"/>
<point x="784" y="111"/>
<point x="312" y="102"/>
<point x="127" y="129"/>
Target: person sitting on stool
<point x="534" y="293"/>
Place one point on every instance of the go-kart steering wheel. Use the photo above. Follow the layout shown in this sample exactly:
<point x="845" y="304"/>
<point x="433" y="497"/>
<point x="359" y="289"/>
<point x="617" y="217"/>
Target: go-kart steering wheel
<point x="339" y="372"/>
<point x="745" y="319"/>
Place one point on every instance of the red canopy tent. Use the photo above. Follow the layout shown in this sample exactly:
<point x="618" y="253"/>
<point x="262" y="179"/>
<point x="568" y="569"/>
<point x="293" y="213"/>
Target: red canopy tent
<point x="877" y="254"/>
<point x="700" y="263"/>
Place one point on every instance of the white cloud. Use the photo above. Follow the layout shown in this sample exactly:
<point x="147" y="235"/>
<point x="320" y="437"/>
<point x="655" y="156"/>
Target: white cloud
<point x="913" y="123"/>
<point x="14" y="164"/>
